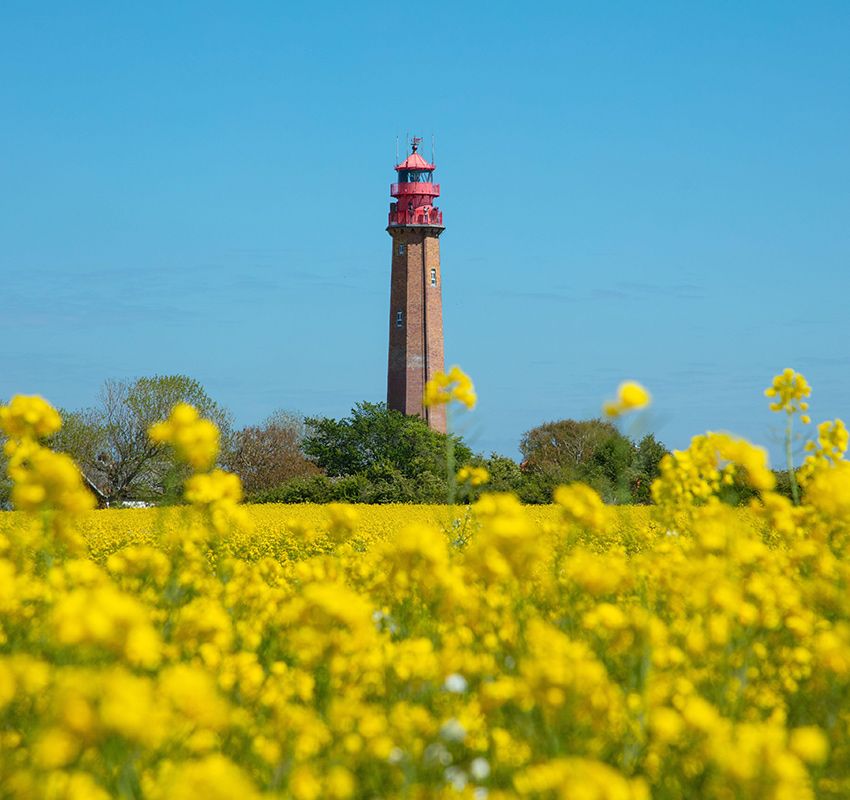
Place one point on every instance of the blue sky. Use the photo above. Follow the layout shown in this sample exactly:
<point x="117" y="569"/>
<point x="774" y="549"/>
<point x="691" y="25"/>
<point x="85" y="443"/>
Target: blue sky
<point x="655" y="191"/>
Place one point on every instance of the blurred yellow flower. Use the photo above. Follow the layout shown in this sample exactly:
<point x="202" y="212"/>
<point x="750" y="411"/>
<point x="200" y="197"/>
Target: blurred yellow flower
<point x="29" y="417"/>
<point x="582" y="505"/>
<point x="810" y="744"/>
<point x="474" y="476"/>
<point x="195" y="440"/>
<point x="454" y="385"/>
<point x="787" y="392"/>
<point x="216" y="487"/>
<point x="630" y="397"/>
<point x="45" y="480"/>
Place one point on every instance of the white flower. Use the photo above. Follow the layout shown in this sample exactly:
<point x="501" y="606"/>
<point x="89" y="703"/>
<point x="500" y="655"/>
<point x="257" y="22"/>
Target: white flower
<point x="436" y="753"/>
<point x="479" y="769"/>
<point x="457" y="778"/>
<point x="455" y="683"/>
<point x="453" y="731"/>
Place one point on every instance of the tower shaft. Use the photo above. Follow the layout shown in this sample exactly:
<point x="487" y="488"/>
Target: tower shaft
<point x="416" y="321"/>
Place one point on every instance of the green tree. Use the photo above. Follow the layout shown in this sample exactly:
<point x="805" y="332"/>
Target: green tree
<point x="645" y="468"/>
<point x="566" y="444"/>
<point x="110" y="441"/>
<point x="505" y="474"/>
<point x="592" y="451"/>
<point x="398" y="453"/>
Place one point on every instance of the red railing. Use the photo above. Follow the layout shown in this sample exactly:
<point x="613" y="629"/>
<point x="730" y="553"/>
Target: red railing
<point x="417" y="217"/>
<point x="428" y="189"/>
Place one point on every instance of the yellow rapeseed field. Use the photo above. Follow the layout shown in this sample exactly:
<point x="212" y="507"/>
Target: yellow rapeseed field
<point x="686" y="650"/>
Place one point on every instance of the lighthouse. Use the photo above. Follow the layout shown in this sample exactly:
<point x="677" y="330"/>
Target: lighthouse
<point x="416" y="305"/>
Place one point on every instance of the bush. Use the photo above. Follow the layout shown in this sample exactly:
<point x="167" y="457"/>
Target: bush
<point x="376" y="486"/>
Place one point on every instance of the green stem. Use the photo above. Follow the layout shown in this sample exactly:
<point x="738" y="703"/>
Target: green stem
<point x="450" y="465"/>
<point x="789" y="458"/>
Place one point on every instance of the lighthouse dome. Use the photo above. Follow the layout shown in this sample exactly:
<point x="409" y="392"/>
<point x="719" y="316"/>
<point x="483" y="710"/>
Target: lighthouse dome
<point x="414" y="162"/>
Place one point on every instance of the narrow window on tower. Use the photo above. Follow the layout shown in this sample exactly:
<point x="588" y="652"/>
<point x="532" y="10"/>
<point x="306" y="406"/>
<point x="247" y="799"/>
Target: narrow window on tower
<point x="399" y="318"/>
<point x="401" y="249"/>
<point x="433" y="277"/>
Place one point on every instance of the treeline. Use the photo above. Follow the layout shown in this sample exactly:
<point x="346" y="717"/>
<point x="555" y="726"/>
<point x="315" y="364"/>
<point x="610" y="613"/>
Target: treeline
<point x="374" y="455"/>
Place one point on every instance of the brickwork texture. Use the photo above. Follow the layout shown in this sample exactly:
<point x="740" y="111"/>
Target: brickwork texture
<point x="416" y="321"/>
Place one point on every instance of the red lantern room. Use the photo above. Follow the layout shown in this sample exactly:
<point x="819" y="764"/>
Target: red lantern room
<point x="415" y="192"/>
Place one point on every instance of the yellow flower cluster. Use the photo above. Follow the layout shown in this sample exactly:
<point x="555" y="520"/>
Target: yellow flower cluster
<point x="212" y="487"/>
<point x="828" y="450"/>
<point x="630" y="397"/>
<point x="787" y="392"/>
<point x="474" y="476"/>
<point x="572" y="651"/>
<point x="43" y="480"/>
<point x="195" y="440"/>
<point x="29" y="417"/>
<point x="196" y="443"/>
<point x="583" y="506"/>
<point x="219" y="493"/>
<point x="694" y="476"/>
<point x="827" y="489"/>
<point x="454" y="385"/>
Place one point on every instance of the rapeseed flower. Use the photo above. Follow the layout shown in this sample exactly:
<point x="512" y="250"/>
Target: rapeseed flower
<point x="454" y="385"/>
<point x="195" y="440"/>
<point x="787" y="392"/>
<point x="630" y="397"/>
<point x="474" y="476"/>
<point x="45" y="480"/>
<point x="29" y="417"/>
<point x="582" y="505"/>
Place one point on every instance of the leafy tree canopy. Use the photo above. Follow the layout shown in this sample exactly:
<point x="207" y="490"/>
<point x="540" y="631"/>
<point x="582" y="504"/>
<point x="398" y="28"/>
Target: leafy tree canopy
<point x="569" y="446"/>
<point x="375" y="438"/>
<point x="110" y="440"/>
<point x="592" y="451"/>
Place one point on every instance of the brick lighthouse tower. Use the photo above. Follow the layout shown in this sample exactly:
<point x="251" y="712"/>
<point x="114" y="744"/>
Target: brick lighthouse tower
<point x="416" y="306"/>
